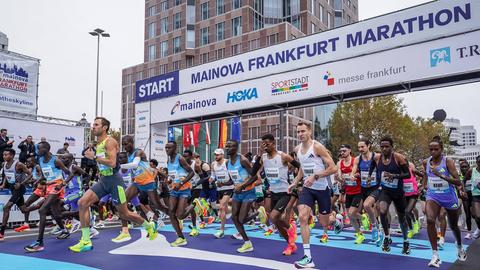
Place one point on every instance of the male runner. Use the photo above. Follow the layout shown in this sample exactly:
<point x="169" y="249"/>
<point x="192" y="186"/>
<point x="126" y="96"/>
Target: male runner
<point x="392" y="168"/>
<point x="74" y="190"/>
<point x="440" y="179"/>
<point x="179" y="173"/>
<point x="16" y="176"/>
<point x="316" y="166"/>
<point x="110" y="183"/>
<point x="196" y="190"/>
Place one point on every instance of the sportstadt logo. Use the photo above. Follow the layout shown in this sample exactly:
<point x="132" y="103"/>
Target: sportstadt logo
<point x="242" y="95"/>
<point x="329" y="78"/>
<point x="440" y="56"/>
<point x="193" y="105"/>
<point x="289" y="86"/>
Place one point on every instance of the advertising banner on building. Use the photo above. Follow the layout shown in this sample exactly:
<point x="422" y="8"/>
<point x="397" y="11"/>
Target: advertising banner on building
<point x="435" y="59"/>
<point x="18" y="83"/>
<point x="142" y="127"/>
<point x="159" y="140"/>
<point x="56" y="134"/>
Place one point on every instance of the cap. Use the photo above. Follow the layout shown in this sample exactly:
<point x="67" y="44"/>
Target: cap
<point x="219" y="151"/>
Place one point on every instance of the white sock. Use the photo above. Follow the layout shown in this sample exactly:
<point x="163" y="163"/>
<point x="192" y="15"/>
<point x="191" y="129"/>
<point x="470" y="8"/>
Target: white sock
<point x="150" y="215"/>
<point x="306" y="250"/>
<point x="248" y="242"/>
<point x="435" y="253"/>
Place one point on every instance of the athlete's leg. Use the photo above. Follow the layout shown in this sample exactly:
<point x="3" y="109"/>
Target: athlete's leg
<point x="6" y="215"/>
<point x="411" y="202"/>
<point x="369" y="206"/>
<point x="173" y="216"/>
<point x="432" y="211"/>
<point x="453" y="215"/>
<point x="243" y="218"/>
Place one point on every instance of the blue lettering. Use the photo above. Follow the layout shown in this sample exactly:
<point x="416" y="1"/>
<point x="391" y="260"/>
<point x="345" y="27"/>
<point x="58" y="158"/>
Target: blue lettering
<point x="466" y="14"/>
<point x="409" y="23"/>
<point x="438" y="17"/>
<point x="354" y="41"/>
<point x="422" y="21"/>
<point x="382" y="32"/>
<point x="242" y="95"/>
<point x="289" y="55"/>
<point x="369" y="35"/>
<point x="397" y="29"/>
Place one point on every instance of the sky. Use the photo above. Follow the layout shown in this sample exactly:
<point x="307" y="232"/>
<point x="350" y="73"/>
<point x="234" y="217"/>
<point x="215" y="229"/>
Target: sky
<point x="56" y="31"/>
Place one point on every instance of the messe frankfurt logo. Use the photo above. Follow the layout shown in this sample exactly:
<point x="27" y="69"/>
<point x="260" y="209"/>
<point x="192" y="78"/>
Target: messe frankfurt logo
<point x="440" y="56"/>
<point x="329" y="78"/>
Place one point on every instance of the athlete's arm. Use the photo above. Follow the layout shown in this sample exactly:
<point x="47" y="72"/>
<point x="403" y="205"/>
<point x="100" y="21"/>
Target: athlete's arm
<point x="257" y="165"/>
<point x="76" y="170"/>
<point x="21" y="167"/>
<point x="339" y="173"/>
<point x="373" y="165"/>
<point x="453" y="173"/>
<point x="248" y="166"/>
<point x="131" y="165"/>
<point x="286" y="158"/>
<point x="403" y="165"/>
<point x="355" y="166"/>
<point x="425" y="176"/>
<point x="330" y="167"/>
<point x="62" y="167"/>
<point x="188" y="169"/>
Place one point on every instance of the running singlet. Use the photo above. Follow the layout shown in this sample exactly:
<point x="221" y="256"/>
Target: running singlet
<point x="312" y="164"/>
<point x="276" y="172"/>
<point x="177" y="173"/>
<point x="393" y="168"/>
<point x="101" y="152"/>
<point x="10" y="173"/>
<point x="49" y="170"/>
<point x="195" y="177"/>
<point x="436" y="185"/>
<point x="352" y="186"/>
<point x="364" y="168"/>
<point x="220" y="174"/>
<point x="410" y="185"/>
<point x="76" y="183"/>
<point x="475" y="182"/>
<point x="143" y="174"/>
<point x="126" y="176"/>
<point x="238" y="173"/>
<point x="467" y="183"/>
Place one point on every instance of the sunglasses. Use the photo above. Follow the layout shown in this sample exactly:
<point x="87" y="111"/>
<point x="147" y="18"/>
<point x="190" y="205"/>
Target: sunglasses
<point x="434" y="149"/>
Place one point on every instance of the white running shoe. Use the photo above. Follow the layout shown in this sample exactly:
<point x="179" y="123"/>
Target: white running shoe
<point x="93" y="232"/>
<point x="237" y="236"/>
<point x="435" y="262"/>
<point x="468" y="236"/>
<point x="75" y="226"/>
<point x="476" y="234"/>
<point x="99" y="225"/>
<point x="462" y="255"/>
<point x="56" y="230"/>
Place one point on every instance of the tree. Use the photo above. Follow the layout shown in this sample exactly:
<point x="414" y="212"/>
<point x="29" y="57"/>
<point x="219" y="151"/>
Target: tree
<point x="374" y="118"/>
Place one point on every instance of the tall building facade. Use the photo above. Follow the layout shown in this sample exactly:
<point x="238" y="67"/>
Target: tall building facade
<point x="183" y="33"/>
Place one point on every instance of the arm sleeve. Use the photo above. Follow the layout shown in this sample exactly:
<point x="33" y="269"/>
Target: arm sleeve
<point x="131" y="165"/>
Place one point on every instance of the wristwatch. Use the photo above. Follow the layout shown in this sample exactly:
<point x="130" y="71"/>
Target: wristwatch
<point x="316" y="176"/>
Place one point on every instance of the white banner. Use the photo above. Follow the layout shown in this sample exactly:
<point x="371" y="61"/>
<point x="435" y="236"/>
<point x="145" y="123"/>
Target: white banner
<point x="159" y="140"/>
<point x="427" y="22"/>
<point x="18" y="83"/>
<point x="55" y="134"/>
<point x="142" y="127"/>
<point x="434" y="59"/>
<point x="15" y="214"/>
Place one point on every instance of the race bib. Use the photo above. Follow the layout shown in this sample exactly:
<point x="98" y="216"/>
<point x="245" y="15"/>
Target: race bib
<point x="235" y="176"/>
<point x="258" y="189"/>
<point x="127" y="179"/>
<point x="390" y="183"/>
<point x="48" y="173"/>
<point x="102" y="167"/>
<point x="468" y="185"/>
<point x="349" y="181"/>
<point x="173" y="176"/>
<point x="408" y="187"/>
<point x="10" y="177"/>
<point x="308" y="169"/>
<point x="438" y="185"/>
<point x="221" y="176"/>
<point x="272" y="175"/>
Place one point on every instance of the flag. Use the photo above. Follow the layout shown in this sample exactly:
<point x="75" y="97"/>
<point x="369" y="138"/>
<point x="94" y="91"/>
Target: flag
<point x="186" y="136"/>
<point x="222" y="133"/>
<point x="236" y="129"/>
<point x="207" y="133"/>
<point x="196" y="131"/>
<point x="171" y="136"/>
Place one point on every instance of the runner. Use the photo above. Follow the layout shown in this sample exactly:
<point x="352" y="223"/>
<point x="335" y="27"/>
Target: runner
<point x="275" y="164"/>
<point x="392" y="168"/>
<point x="224" y="185"/>
<point x="410" y="186"/>
<point x="52" y="172"/>
<point x="440" y="179"/>
<point x="240" y="171"/>
<point x="110" y="183"/>
<point x="74" y="190"/>
<point x="474" y="176"/>
<point x="353" y="190"/>
<point x="468" y="201"/>
<point x="316" y="166"/>
<point x="370" y="185"/>
<point x="16" y="176"/>
<point x="196" y="190"/>
<point x="180" y="173"/>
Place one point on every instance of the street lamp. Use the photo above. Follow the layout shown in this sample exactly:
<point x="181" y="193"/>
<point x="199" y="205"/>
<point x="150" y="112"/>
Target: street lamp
<point x="98" y="33"/>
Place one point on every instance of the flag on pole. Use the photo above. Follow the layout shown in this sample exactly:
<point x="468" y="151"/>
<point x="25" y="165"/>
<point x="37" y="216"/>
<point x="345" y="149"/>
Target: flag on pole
<point x="186" y="136"/>
<point x="222" y="133"/>
<point x="171" y="136"/>
<point x="236" y="129"/>
<point x="207" y="133"/>
<point x="196" y="131"/>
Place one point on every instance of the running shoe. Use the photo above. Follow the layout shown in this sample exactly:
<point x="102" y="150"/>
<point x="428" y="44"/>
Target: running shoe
<point x="269" y="232"/>
<point x="99" y="225"/>
<point x="246" y="247"/>
<point x="476" y="233"/>
<point x="435" y="262"/>
<point x="292" y="233"/>
<point x="198" y="207"/>
<point x="122" y="237"/>
<point x="219" y="234"/>
<point x="210" y="220"/>
<point x="2" y="238"/>
<point x="194" y="232"/>
<point x="68" y="224"/>
<point x="324" y="238"/>
<point x="347" y="221"/>
<point x="462" y="255"/>
<point x="262" y="215"/>
<point x="93" y="232"/>
<point x="365" y="222"/>
<point x="63" y="235"/>
<point x="468" y="236"/>
<point x="202" y="225"/>
<point x="160" y="224"/>
<point x="152" y="230"/>
<point x="75" y="226"/>
<point x="416" y="227"/>
<point x="179" y="242"/>
<point x="406" y="248"/>
<point x="34" y="247"/>
<point x="387" y="241"/>
<point x="82" y="246"/>
<point x="311" y="222"/>
<point x="360" y="239"/>
<point x="338" y="227"/>
<point x="23" y="228"/>
<point x="441" y="243"/>
<point x="374" y="234"/>
<point x="288" y="250"/>
<point x="380" y="239"/>
<point x="56" y="231"/>
<point x="218" y="220"/>
<point x="305" y="262"/>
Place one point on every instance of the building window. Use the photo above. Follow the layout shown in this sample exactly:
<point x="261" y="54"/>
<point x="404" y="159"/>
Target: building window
<point x="151" y="52"/>
<point x="236" y="4"/>
<point x="177" y="2"/>
<point x="163" y="5"/>
<point x="163" y="26"/>
<point x="220" y="53"/>
<point x="220" y="31"/>
<point x="237" y="26"/>
<point x="177" y="20"/>
<point x="204" y="9"/>
<point x="163" y="49"/>
<point x="236" y="49"/>
<point x="254" y="44"/>
<point x="151" y="30"/>
<point x="257" y="21"/>
<point x="191" y="39"/>
<point x="176" y="65"/>
<point x="312" y="28"/>
<point x="189" y="61"/>
<point x="152" y="11"/>
<point x="176" y="45"/>
<point x="204" y="40"/>
<point x="204" y="58"/>
<point x="320" y="13"/>
<point x="312" y="6"/>
<point x="220" y="7"/>
<point x="329" y="20"/>
<point x="272" y="39"/>
<point x="164" y="68"/>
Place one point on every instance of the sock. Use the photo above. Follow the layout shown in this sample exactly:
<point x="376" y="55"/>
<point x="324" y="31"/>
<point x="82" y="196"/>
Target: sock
<point x="86" y="234"/>
<point x="435" y="253"/>
<point x="150" y="215"/>
<point x="306" y="250"/>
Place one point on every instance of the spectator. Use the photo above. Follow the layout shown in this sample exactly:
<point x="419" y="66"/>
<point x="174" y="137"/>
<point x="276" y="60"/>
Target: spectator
<point x="5" y="142"/>
<point x="90" y="164"/>
<point x="42" y="139"/>
<point x="64" y="150"/>
<point x="27" y="149"/>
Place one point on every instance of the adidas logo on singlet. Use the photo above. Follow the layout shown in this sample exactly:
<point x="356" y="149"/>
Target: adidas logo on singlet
<point x="311" y="156"/>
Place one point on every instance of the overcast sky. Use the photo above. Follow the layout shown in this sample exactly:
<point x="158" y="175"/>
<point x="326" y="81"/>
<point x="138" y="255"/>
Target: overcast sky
<point x="56" y="31"/>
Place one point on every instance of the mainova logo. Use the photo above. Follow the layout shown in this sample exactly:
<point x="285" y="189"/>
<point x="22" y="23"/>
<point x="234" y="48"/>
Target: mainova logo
<point x="193" y="105"/>
<point x="242" y="95"/>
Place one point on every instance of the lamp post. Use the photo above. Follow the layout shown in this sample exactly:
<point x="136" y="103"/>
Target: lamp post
<point x="98" y="33"/>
